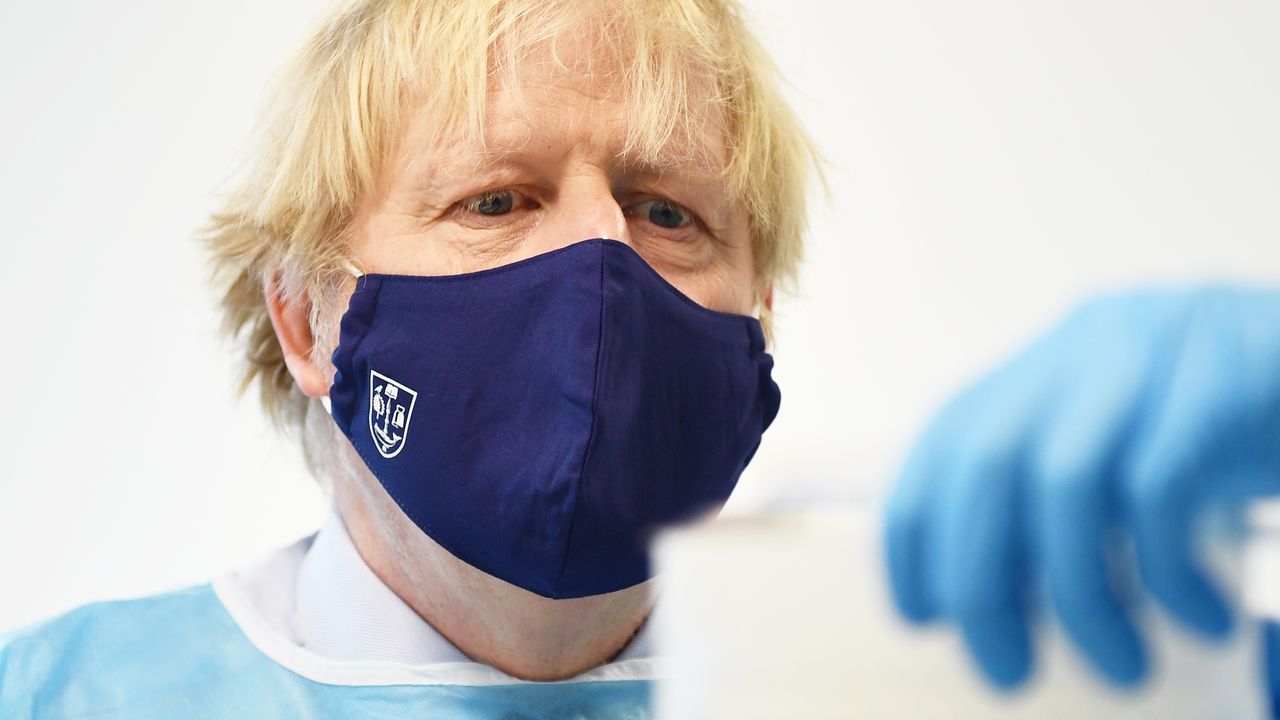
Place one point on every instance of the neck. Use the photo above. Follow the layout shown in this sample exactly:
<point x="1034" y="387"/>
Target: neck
<point x="520" y="633"/>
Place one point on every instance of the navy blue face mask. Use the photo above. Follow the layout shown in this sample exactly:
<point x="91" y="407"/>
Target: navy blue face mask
<point x="542" y="419"/>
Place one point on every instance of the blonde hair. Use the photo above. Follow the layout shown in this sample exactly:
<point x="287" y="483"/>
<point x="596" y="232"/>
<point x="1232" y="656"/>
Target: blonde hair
<point x="341" y="102"/>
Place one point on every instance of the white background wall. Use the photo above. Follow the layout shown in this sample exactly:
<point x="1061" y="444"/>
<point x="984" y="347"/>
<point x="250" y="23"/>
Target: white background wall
<point x="993" y="162"/>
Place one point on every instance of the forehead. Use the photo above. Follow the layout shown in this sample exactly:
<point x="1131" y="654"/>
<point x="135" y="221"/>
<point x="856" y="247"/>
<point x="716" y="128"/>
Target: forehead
<point x="582" y="87"/>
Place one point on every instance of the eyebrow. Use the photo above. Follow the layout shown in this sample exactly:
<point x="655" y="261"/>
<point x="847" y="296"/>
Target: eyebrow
<point x="692" y="166"/>
<point x="512" y="147"/>
<point x="513" y="137"/>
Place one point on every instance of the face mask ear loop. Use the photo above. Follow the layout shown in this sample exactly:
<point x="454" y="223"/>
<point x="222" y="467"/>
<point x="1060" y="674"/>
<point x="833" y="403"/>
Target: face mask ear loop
<point x="357" y="273"/>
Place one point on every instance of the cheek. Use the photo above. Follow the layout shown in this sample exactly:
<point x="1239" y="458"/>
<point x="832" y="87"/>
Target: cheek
<point x="327" y="326"/>
<point x="724" y="286"/>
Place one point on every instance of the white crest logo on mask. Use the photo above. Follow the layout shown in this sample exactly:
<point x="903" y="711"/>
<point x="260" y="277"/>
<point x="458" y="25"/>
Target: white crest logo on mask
<point x="390" y="408"/>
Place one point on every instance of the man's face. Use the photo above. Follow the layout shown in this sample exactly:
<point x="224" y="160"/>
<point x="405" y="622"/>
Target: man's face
<point x="553" y="174"/>
<point x="552" y="170"/>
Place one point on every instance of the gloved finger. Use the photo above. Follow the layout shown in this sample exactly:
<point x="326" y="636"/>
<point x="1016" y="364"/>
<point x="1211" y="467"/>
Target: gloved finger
<point x="980" y="563"/>
<point x="1072" y="523"/>
<point x="1167" y="477"/>
<point x="1001" y="644"/>
<point x="1074" y="496"/>
<point x="907" y="518"/>
<point x="1161" y="532"/>
<point x="978" y="546"/>
<point x="1249" y="452"/>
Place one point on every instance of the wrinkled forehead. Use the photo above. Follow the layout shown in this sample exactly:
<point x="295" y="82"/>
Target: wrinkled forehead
<point x="644" y="91"/>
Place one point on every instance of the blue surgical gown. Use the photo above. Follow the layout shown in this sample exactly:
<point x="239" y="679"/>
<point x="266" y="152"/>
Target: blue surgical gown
<point x="181" y="655"/>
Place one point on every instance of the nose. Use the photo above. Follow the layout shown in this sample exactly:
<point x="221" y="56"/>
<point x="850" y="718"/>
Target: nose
<point x="584" y="208"/>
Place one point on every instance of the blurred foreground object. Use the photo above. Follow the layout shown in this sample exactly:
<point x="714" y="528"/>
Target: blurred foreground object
<point x="787" y="616"/>
<point x="1098" y="449"/>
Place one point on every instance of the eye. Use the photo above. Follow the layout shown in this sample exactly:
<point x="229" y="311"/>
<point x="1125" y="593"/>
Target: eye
<point x="497" y="202"/>
<point x="664" y="214"/>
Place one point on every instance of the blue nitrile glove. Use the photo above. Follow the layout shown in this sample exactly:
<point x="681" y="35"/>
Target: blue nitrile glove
<point x="1134" y="414"/>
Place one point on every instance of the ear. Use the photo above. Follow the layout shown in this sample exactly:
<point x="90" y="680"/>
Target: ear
<point x="291" y="320"/>
<point x="768" y="296"/>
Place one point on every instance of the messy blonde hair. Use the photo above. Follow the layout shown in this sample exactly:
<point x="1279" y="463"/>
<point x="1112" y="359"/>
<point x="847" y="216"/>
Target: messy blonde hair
<point x="341" y="102"/>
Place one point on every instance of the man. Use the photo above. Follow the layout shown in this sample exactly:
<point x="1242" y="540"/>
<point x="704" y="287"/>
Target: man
<point x="506" y="267"/>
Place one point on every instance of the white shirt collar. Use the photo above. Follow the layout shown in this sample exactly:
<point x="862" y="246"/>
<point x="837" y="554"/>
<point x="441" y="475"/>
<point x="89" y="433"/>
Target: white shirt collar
<point x="345" y="612"/>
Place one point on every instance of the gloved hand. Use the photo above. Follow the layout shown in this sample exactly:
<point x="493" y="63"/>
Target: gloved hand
<point x="1134" y="414"/>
